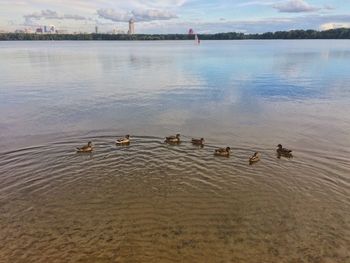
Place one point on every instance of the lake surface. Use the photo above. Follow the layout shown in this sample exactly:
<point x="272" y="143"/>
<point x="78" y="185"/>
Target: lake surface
<point x="153" y="202"/>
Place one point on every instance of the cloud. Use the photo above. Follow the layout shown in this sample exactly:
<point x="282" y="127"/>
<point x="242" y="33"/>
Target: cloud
<point x="156" y="4"/>
<point x="111" y="14"/>
<point x="306" y="21"/>
<point x="140" y="15"/>
<point x="152" y="14"/>
<point x="256" y="3"/>
<point x="75" y="17"/>
<point x="295" y="6"/>
<point x="329" y="7"/>
<point x="50" y="14"/>
<point x="333" y="25"/>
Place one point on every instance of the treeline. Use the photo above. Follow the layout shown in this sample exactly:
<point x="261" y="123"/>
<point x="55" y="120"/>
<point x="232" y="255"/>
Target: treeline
<point x="341" y="33"/>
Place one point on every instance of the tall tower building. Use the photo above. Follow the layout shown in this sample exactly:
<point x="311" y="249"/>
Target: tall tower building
<point x="131" y="30"/>
<point x="96" y="29"/>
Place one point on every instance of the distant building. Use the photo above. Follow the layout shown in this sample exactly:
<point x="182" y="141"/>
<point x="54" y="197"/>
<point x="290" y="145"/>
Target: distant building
<point x="45" y="29"/>
<point x="61" y="31"/>
<point x="39" y="30"/>
<point x="28" y="30"/>
<point x="116" y="31"/>
<point x="190" y="32"/>
<point x="52" y="29"/>
<point x="96" y="29"/>
<point x="131" y="30"/>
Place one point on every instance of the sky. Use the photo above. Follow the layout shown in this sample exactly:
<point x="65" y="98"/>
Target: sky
<point x="175" y="16"/>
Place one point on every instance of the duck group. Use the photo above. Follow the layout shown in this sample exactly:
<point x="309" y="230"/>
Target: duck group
<point x="175" y="139"/>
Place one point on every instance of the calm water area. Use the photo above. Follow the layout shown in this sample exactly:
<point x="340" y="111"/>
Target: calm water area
<point x="154" y="202"/>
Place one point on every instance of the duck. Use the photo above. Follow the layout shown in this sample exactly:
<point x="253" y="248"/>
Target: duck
<point x="255" y="158"/>
<point x="283" y="151"/>
<point x="86" y="148"/>
<point x="199" y="142"/>
<point x="173" y="139"/>
<point x="125" y="140"/>
<point x="223" y="151"/>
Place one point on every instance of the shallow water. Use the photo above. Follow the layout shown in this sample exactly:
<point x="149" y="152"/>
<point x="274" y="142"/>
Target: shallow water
<point x="152" y="202"/>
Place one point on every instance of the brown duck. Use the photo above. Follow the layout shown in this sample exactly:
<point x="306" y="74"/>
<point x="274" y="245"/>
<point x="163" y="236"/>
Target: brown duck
<point x="125" y="140"/>
<point x="223" y="152"/>
<point x="86" y="148"/>
<point x="283" y="151"/>
<point x="255" y="158"/>
<point x="199" y="142"/>
<point x="173" y="139"/>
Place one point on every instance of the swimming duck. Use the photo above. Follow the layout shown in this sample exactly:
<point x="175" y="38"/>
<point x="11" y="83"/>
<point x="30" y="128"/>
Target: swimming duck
<point x="255" y="158"/>
<point x="223" y="151"/>
<point x="125" y="140"/>
<point x="86" y="148"/>
<point x="199" y="142"/>
<point x="173" y="139"/>
<point x="283" y="151"/>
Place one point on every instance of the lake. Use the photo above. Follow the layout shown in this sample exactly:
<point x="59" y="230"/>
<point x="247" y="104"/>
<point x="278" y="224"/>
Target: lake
<point x="154" y="202"/>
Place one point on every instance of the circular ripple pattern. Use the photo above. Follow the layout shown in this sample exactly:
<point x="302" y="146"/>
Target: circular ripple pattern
<point x="153" y="202"/>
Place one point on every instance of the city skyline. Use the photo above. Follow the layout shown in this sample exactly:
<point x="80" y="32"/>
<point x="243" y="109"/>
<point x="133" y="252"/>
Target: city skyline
<point x="175" y="16"/>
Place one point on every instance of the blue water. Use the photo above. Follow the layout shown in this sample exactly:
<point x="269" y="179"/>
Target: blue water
<point x="144" y="87"/>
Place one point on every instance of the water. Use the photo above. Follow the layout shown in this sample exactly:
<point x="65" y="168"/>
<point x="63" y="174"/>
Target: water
<point x="152" y="202"/>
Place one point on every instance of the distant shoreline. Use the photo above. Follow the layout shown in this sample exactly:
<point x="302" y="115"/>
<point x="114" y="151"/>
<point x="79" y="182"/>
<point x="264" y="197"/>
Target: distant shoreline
<point x="340" y="33"/>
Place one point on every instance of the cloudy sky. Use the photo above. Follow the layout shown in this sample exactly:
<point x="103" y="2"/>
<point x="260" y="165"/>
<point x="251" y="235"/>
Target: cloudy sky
<point x="176" y="16"/>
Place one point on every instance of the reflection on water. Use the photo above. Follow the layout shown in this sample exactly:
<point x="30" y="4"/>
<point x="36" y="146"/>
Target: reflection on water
<point x="152" y="202"/>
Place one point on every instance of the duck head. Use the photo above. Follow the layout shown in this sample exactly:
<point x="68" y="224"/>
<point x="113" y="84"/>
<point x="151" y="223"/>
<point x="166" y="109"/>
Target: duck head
<point x="127" y="136"/>
<point x="228" y="149"/>
<point x="178" y="135"/>
<point x="89" y="144"/>
<point x="279" y="146"/>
